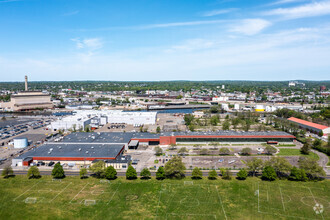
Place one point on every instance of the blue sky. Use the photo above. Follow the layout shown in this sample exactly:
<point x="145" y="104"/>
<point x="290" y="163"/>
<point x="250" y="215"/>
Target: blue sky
<point x="164" y="40"/>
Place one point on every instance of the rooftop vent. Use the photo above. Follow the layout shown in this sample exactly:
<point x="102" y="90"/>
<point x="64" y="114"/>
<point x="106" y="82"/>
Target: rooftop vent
<point x="79" y="149"/>
<point x="86" y="152"/>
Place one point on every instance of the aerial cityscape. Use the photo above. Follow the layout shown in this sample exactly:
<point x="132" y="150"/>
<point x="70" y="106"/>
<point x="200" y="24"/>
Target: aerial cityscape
<point x="214" y="109"/>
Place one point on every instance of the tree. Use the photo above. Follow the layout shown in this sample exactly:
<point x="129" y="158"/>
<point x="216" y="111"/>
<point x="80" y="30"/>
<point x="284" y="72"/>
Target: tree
<point x="242" y="174"/>
<point x="212" y="175"/>
<point x="110" y="173"/>
<point x="98" y="168"/>
<point x="254" y="165"/>
<point x="83" y="173"/>
<point x="268" y="173"/>
<point x="196" y="173"/>
<point x="158" y="129"/>
<point x="158" y="151"/>
<point x="311" y="167"/>
<point x="226" y="175"/>
<point x="188" y="118"/>
<point x="270" y="150"/>
<point x="58" y="172"/>
<point x="224" y="151"/>
<point x="191" y="127"/>
<point x="175" y="168"/>
<point x="280" y="165"/>
<point x="7" y="172"/>
<point x="305" y="149"/>
<point x="203" y="152"/>
<point x="131" y="173"/>
<point x="33" y="173"/>
<point x="226" y="125"/>
<point x="214" y="120"/>
<point x="317" y="143"/>
<point x="145" y="173"/>
<point x="214" y="109"/>
<point x="160" y="174"/>
<point x="182" y="150"/>
<point x="297" y="174"/>
<point x="246" y="151"/>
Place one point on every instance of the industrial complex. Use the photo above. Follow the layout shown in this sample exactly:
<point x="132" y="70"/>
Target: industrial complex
<point x="82" y="148"/>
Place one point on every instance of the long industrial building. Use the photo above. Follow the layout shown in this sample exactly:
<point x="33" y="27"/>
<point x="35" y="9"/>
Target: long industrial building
<point x="84" y="148"/>
<point x="310" y="126"/>
<point x="96" y="118"/>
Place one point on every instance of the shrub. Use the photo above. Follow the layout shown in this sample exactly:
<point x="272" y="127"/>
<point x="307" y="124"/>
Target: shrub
<point x="145" y="174"/>
<point x="83" y="173"/>
<point x="242" y="174"/>
<point x="226" y="175"/>
<point x="160" y="174"/>
<point x="246" y="151"/>
<point x="58" y="172"/>
<point x="33" y="173"/>
<point x="196" y="173"/>
<point x="131" y="173"/>
<point x="212" y="175"/>
<point x="224" y="151"/>
<point x="7" y="172"/>
<point x="268" y="173"/>
<point x="110" y="173"/>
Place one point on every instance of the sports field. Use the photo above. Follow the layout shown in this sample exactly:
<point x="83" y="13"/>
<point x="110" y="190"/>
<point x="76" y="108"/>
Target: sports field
<point x="73" y="198"/>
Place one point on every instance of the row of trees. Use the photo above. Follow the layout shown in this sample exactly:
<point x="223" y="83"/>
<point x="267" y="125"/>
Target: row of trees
<point x="276" y="167"/>
<point x="279" y="167"/>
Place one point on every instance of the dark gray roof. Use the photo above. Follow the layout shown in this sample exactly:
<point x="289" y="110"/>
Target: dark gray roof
<point x="228" y="133"/>
<point x="97" y="137"/>
<point x="122" y="159"/>
<point x="146" y="135"/>
<point x="74" y="150"/>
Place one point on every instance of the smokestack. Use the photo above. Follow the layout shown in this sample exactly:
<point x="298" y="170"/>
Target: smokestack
<point x="26" y="85"/>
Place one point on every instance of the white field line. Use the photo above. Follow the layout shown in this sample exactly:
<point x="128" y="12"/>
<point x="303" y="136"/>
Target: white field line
<point x="221" y="202"/>
<point x="282" y="198"/>
<point x="113" y="194"/>
<point x="290" y="216"/>
<point x="258" y="198"/>
<point x="27" y="190"/>
<point x="160" y="192"/>
<point x="78" y="193"/>
<point x="314" y="200"/>
<point x="60" y="192"/>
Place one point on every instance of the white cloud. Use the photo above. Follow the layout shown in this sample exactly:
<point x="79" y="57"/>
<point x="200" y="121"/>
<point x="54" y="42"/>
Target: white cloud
<point x="307" y="10"/>
<point x="218" y="12"/>
<point x="88" y="43"/>
<point x="250" y="26"/>
<point x="178" y="24"/>
<point x="282" y="2"/>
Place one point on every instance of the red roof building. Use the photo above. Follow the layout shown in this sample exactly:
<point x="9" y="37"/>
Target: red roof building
<point x="316" y="128"/>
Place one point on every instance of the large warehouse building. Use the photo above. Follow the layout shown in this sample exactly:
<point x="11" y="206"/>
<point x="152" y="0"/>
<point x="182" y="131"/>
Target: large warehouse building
<point x="310" y="126"/>
<point x="96" y="118"/>
<point x="82" y="148"/>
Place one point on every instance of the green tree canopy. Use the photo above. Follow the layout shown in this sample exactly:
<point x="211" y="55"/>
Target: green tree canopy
<point x="110" y="173"/>
<point x="58" y="172"/>
<point x="160" y="174"/>
<point x="145" y="173"/>
<point x="212" y="175"/>
<point x="270" y="150"/>
<point x="33" y="173"/>
<point x="83" y="173"/>
<point x="280" y="165"/>
<point x="311" y="167"/>
<point x="268" y="173"/>
<point x="131" y="173"/>
<point x="242" y="174"/>
<point x="175" y="168"/>
<point x="254" y="165"/>
<point x="158" y="151"/>
<point x="98" y="168"/>
<point x="196" y="173"/>
<point x="297" y="174"/>
<point x="7" y="172"/>
<point x="224" y="151"/>
<point x="246" y="151"/>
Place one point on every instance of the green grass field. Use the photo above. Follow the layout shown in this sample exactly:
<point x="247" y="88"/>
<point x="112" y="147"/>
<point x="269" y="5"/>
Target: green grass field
<point x="296" y="152"/>
<point x="73" y="198"/>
